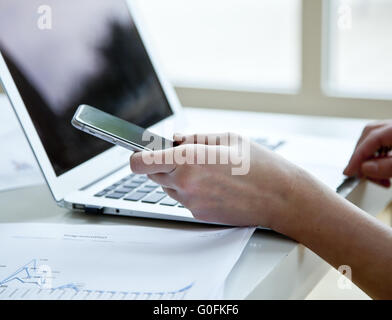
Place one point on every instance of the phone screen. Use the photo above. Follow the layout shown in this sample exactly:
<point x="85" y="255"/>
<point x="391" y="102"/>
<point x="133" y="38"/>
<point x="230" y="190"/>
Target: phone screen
<point x="121" y="130"/>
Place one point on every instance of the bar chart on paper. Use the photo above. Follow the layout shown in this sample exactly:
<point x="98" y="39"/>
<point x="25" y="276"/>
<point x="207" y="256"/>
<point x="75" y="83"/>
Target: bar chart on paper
<point x="115" y="262"/>
<point x="34" y="281"/>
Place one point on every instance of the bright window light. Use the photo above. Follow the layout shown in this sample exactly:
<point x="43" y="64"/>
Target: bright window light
<point x="360" y="48"/>
<point x="233" y="44"/>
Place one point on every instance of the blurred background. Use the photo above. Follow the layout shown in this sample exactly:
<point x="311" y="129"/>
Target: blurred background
<point x="322" y="57"/>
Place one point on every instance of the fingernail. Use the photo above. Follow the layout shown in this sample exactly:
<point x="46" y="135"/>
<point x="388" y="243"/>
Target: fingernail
<point x="370" y="167"/>
<point x="349" y="172"/>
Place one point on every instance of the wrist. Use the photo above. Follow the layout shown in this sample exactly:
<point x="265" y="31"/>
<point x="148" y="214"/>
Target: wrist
<point x="300" y="201"/>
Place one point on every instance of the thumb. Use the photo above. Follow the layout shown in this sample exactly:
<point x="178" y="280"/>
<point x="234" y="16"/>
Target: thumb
<point x="378" y="169"/>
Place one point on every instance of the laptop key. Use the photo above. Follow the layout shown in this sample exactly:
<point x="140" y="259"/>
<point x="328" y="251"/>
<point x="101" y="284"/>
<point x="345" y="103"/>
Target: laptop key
<point x="146" y="190"/>
<point x="135" y="196"/>
<point x="100" y="194"/>
<point x="153" y="198"/>
<point x="128" y="188"/>
<point x="122" y="190"/>
<point x="152" y="185"/>
<point x="139" y="179"/>
<point x="150" y="188"/>
<point x="115" y="195"/>
<point x="131" y="185"/>
<point x="168" y="202"/>
<point x="160" y="190"/>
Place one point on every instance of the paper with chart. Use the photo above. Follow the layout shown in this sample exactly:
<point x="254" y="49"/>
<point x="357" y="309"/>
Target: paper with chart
<point x="18" y="167"/>
<point x="48" y="261"/>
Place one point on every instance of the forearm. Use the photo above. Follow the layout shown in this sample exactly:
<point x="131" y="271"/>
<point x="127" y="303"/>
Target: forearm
<point x="341" y="234"/>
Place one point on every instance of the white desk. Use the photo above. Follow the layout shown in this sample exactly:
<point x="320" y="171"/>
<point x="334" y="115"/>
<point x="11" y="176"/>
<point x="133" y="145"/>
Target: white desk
<point x="272" y="266"/>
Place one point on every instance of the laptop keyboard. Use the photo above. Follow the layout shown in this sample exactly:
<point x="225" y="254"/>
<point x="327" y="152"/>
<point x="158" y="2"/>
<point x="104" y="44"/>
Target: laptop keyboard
<point x="139" y="188"/>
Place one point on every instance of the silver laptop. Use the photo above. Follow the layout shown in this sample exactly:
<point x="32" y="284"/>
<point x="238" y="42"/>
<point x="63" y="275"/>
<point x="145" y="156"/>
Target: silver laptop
<point x="95" y="53"/>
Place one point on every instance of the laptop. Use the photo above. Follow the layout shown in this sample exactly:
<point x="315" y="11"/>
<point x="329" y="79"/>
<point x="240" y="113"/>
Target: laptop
<point x="95" y="53"/>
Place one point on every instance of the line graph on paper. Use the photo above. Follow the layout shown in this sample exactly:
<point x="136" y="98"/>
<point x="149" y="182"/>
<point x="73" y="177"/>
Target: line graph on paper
<point x="35" y="281"/>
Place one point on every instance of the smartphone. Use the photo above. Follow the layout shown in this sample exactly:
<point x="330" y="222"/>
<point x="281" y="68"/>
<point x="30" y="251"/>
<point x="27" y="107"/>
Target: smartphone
<point x="117" y="131"/>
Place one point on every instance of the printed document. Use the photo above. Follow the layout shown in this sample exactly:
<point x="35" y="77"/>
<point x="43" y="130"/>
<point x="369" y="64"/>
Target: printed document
<point x="49" y="261"/>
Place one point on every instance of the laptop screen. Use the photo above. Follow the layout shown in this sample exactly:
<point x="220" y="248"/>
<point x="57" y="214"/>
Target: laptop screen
<point x="74" y="52"/>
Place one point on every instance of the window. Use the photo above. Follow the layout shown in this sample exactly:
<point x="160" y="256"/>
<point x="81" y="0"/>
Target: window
<point x="319" y="57"/>
<point x="248" y="44"/>
<point x="360" y="48"/>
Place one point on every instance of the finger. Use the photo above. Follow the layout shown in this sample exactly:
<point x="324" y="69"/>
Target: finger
<point x="378" y="168"/>
<point x="368" y="129"/>
<point x="370" y="145"/>
<point x="163" y="179"/>
<point x="208" y="139"/>
<point x="386" y="183"/>
<point x="152" y="162"/>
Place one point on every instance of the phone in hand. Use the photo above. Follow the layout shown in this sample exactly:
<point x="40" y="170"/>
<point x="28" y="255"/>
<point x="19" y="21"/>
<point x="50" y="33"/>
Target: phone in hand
<point x="117" y="131"/>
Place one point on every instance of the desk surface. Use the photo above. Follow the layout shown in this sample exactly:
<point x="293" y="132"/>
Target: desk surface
<point x="272" y="266"/>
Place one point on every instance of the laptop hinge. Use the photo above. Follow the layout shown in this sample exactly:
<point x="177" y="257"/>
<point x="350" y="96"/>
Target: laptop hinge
<point x="61" y="203"/>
